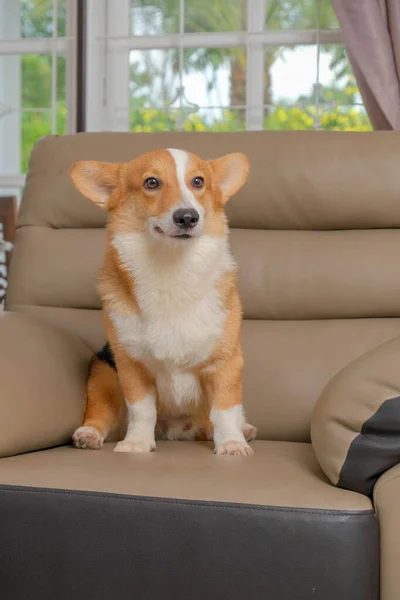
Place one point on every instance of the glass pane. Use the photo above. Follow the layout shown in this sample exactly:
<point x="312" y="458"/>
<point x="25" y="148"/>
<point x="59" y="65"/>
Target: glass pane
<point x="31" y="18"/>
<point x="290" y="75"/>
<point x="36" y="72"/>
<point x="34" y="124"/>
<point x="215" y="77"/>
<point x="158" y="17"/>
<point x="289" y="117"/>
<point x="214" y="16"/>
<point x="153" y="78"/>
<point x="36" y="79"/>
<point x="211" y="78"/>
<point x="154" y="17"/>
<point x="300" y="14"/>
<point x="37" y="18"/>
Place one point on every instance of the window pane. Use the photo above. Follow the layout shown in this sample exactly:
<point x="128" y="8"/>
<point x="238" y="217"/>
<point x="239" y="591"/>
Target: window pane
<point x="19" y="132"/>
<point x="290" y="74"/>
<point x="215" y="76"/>
<point x="300" y="14"/>
<point x="153" y="17"/>
<point x="158" y="17"/>
<point x="211" y="78"/>
<point x="153" y="77"/>
<point x="36" y="124"/>
<point x="27" y="103"/>
<point x="214" y="16"/>
<point x="26" y="83"/>
<point x="37" y="18"/>
<point x="36" y="79"/>
<point x="33" y="126"/>
<point x="36" y="72"/>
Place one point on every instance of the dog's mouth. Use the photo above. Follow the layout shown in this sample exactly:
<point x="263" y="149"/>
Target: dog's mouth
<point x="181" y="236"/>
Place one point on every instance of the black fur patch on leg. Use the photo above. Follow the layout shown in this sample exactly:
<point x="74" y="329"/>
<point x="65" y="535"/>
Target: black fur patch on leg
<point x="106" y="355"/>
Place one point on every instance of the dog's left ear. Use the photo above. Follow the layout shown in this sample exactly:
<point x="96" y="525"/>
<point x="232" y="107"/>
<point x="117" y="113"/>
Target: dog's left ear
<point x="230" y="172"/>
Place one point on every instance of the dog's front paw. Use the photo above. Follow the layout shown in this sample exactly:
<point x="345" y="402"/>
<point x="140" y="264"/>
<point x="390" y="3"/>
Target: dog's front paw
<point x="87" y="438"/>
<point x="135" y="446"/>
<point x="234" y="448"/>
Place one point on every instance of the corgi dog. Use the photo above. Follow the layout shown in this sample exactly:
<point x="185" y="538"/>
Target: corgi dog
<point x="172" y="367"/>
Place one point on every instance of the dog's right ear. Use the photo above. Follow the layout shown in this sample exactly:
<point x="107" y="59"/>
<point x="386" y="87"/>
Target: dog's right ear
<point x="95" y="180"/>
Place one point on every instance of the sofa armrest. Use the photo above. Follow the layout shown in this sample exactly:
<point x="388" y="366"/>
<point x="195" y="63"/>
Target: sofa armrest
<point x="355" y="426"/>
<point x="43" y="373"/>
<point x="387" y="504"/>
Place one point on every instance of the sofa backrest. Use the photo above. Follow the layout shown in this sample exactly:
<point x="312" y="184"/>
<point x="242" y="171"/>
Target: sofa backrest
<point x="315" y="231"/>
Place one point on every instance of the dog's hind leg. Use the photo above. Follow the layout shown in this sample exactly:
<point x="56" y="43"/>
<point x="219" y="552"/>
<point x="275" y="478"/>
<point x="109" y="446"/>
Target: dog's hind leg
<point x="103" y="406"/>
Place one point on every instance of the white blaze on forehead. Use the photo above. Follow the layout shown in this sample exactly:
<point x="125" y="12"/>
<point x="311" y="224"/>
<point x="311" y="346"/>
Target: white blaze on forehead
<point x="181" y="160"/>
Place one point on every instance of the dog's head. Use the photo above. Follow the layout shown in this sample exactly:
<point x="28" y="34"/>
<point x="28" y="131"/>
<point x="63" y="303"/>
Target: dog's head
<point x="171" y="195"/>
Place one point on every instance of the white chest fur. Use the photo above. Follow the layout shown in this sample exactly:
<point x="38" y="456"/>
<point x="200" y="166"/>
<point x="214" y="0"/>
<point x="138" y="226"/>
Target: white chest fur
<point x="181" y="314"/>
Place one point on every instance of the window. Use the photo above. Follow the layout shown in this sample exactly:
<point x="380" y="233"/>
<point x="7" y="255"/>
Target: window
<point x="37" y="80"/>
<point x="153" y="65"/>
<point x="222" y="66"/>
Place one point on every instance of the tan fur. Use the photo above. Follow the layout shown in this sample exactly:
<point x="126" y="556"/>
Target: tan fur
<point x="103" y="398"/>
<point x="120" y="190"/>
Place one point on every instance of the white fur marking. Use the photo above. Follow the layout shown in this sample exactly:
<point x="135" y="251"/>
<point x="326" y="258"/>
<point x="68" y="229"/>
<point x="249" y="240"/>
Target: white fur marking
<point x="228" y="424"/>
<point x="181" y="159"/>
<point x="142" y="417"/>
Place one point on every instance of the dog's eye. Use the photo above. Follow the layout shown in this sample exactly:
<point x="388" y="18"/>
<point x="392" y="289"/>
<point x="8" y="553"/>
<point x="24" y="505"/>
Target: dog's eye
<point x="198" y="182"/>
<point x="151" y="183"/>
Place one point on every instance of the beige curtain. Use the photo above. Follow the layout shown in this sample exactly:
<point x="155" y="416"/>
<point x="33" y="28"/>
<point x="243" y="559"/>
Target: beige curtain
<point x="371" y="30"/>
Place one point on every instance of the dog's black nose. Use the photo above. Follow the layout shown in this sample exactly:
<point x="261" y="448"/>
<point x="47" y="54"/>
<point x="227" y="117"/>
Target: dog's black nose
<point x="186" y="218"/>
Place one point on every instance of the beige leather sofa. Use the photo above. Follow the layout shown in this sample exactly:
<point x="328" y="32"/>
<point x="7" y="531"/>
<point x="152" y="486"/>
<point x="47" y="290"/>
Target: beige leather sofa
<point x="316" y="234"/>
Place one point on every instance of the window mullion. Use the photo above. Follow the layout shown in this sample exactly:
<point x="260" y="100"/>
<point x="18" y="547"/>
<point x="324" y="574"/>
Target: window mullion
<point x="10" y="92"/>
<point x="71" y="65"/>
<point x="96" y="61"/>
<point x="54" y="65"/>
<point x="255" y="66"/>
<point x="117" y="92"/>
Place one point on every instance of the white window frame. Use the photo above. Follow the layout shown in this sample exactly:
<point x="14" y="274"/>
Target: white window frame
<point x="109" y="47"/>
<point x="11" y="44"/>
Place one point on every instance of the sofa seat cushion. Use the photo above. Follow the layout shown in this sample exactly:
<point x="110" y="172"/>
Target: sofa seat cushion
<point x="182" y="523"/>
<point x="279" y="474"/>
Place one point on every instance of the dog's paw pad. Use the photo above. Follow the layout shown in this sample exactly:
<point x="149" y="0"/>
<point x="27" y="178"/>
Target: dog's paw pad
<point x="249" y="432"/>
<point x="234" y="448"/>
<point x="135" y="446"/>
<point x="87" y="438"/>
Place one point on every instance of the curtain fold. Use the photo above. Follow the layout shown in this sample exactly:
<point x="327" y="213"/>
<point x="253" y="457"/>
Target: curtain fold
<point x="371" y="31"/>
